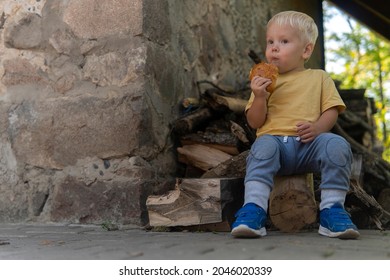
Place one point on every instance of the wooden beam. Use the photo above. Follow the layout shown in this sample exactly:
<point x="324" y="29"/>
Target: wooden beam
<point x="375" y="14"/>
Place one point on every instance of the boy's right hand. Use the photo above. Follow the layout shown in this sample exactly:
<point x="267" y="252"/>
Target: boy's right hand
<point x="259" y="86"/>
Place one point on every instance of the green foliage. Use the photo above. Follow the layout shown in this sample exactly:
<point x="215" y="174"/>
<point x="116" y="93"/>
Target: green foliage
<point x="365" y="63"/>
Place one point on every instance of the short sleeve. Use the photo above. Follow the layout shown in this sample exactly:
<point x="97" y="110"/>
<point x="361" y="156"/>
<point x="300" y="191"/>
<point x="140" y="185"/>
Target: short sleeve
<point x="330" y="97"/>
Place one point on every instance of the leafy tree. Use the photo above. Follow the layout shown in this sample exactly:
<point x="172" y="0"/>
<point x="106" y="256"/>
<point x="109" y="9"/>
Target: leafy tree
<point x="365" y="61"/>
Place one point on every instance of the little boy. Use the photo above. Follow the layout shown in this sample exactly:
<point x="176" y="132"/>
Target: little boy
<point x="293" y="125"/>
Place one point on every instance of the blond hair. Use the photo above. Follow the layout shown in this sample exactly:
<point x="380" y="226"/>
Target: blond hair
<point x="304" y="23"/>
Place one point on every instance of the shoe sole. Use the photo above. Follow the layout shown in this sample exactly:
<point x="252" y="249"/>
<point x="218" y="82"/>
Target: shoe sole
<point x="247" y="232"/>
<point x="347" y="234"/>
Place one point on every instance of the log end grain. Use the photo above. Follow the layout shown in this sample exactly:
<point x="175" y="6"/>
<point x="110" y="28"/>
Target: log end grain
<point x="292" y="204"/>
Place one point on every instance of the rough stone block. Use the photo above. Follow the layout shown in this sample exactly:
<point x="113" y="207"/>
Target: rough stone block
<point x="106" y="18"/>
<point x="24" y="33"/>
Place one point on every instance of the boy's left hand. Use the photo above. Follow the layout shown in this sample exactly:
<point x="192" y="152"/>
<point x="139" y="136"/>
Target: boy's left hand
<point x="307" y="131"/>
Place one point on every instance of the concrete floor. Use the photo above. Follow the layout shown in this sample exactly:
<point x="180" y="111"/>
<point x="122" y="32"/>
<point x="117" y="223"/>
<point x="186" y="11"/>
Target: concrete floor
<point x="63" y="252"/>
<point x="86" y="242"/>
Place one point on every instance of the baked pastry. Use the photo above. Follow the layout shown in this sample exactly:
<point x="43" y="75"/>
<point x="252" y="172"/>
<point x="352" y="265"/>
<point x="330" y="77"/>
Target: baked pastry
<point x="265" y="70"/>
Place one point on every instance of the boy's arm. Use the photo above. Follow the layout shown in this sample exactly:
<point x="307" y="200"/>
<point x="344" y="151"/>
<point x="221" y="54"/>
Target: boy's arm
<point x="308" y="131"/>
<point x="257" y="113"/>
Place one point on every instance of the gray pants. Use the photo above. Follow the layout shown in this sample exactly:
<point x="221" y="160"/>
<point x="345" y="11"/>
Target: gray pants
<point x="328" y="154"/>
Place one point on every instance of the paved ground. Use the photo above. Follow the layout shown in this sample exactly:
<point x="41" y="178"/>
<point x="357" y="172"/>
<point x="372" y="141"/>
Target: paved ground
<point x="75" y="242"/>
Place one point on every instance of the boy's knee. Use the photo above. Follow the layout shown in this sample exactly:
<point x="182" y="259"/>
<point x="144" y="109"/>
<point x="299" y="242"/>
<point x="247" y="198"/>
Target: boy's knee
<point x="264" y="148"/>
<point x="338" y="151"/>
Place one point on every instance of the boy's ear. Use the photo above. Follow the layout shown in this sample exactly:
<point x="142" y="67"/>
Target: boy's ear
<point x="308" y="51"/>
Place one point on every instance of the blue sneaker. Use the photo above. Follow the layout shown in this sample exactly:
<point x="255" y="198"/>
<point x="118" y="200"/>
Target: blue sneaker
<point x="250" y="222"/>
<point x="335" y="222"/>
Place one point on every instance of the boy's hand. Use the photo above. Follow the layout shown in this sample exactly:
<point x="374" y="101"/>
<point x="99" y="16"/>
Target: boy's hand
<point x="307" y="131"/>
<point x="259" y="85"/>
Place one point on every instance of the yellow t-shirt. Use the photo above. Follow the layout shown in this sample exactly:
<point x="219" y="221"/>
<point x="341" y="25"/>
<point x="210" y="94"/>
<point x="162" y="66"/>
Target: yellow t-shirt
<point x="298" y="96"/>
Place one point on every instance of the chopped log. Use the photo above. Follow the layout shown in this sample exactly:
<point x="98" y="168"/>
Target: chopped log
<point x="196" y="202"/>
<point x="362" y="108"/>
<point x="358" y="128"/>
<point x="223" y="141"/>
<point x="254" y="56"/>
<point x="231" y="150"/>
<point x="221" y="103"/>
<point x="191" y="202"/>
<point x="239" y="132"/>
<point x="351" y="119"/>
<point x="190" y="103"/>
<point x="201" y="156"/>
<point x="357" y="197"/>
<point x="350" y="94"/>
<point x="364" y="209"/>
<point x="189" y="123"/>
<point x="292" y="204"/>
<point x="233" y="167"/>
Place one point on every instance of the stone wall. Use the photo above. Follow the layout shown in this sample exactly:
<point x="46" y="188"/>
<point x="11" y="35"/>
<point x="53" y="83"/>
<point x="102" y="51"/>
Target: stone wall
<point x="88" y="90"/>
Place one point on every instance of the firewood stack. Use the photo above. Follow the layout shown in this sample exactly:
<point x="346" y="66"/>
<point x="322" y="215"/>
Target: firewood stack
<point x="211" y="133"/>
<point x="213" y="143"/>
<point x="358" y="120"/>
<point x="369" y="198"/>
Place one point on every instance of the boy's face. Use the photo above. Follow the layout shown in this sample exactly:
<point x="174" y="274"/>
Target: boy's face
<point x="286" y="49"/>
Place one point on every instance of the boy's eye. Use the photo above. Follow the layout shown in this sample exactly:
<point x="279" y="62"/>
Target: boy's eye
<point x="284" y="41"/>
<point x="270" y="42"/>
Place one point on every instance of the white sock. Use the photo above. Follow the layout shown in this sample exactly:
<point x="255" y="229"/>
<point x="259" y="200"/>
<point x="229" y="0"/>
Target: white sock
<point x="257" y="193"/>
<point x="331" y="196"/>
